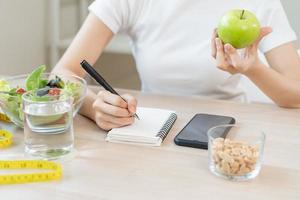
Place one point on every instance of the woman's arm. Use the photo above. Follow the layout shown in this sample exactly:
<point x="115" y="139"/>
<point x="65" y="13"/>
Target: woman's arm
<point x="106" y="109"/>
<point x="87" y="45"/>
<point x="281" y="82"/>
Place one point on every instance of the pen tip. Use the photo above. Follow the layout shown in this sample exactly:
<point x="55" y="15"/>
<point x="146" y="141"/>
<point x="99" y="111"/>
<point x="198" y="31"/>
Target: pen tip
<point x="137" y="116"/>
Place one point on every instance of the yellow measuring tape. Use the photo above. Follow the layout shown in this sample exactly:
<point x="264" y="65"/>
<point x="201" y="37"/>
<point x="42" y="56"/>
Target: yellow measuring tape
<point x="5" y="138"/>
<point x="55" y="174"/>
<point x="55" y="169"/>
<point x="4" y="118"/>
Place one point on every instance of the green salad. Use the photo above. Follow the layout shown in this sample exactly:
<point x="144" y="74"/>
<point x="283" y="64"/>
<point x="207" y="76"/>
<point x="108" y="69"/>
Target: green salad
<point x="11" y="97"/>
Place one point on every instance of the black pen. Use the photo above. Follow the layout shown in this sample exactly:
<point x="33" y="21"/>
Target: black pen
<point x="93" y="73"/>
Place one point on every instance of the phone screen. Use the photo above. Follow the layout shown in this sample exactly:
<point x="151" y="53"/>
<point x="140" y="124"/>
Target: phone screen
<point x="194" y="134"/>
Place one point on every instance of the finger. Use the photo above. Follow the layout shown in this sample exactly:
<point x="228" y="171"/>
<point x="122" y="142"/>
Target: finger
<point x="106" y="125"/>
<point x="101" y="106"/>
<point x="229" y="69"/>
<point x="220" y="57"/>
<point x="213" y="43"/>
<point x="112" y="99"/>
<point x="121" y="121"/>
<point x="263" y="32"/>
<point x="131" y="102"/>
<point x="233" y="55"/>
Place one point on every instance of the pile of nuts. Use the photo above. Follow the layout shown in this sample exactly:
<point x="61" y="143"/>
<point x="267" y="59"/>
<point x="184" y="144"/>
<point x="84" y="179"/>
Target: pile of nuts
<point x="234" y="157"/>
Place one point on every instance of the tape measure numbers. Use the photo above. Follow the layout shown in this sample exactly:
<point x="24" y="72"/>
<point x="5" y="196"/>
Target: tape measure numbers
<point x="5" y="136"/>
<point x="4" y="118"/>
<point x="54" y="174"/>
<point x="5" y="139"/>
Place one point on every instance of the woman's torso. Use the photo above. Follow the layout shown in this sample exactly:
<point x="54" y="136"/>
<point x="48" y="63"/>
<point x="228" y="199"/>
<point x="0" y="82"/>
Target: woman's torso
<point x="171" y="46"/>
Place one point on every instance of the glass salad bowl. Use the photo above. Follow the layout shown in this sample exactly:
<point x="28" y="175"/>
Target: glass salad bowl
<point x="12" y="88"/>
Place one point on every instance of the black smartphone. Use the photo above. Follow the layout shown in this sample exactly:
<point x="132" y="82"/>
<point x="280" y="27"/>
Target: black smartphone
<point x="194" y="134"/>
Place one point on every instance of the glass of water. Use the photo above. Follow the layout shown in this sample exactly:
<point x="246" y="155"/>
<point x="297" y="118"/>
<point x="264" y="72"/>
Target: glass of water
<point x="48" y="123"/>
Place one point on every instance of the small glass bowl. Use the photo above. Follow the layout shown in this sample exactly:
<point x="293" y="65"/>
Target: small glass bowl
<point x="238" y="157"/>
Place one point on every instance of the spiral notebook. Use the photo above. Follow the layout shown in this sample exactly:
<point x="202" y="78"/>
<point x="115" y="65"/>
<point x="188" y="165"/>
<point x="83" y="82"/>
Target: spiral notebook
<point x="152" y="128"/>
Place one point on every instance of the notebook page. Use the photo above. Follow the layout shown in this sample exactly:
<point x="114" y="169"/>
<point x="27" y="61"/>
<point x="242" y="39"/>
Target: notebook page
<point x="151" y="121"/>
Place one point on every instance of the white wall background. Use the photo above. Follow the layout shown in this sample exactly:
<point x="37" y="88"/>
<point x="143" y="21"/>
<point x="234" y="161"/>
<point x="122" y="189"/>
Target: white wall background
<point x="24" y="28"/>
<point x="292" y="10"/>
<point x="22" y="35"/>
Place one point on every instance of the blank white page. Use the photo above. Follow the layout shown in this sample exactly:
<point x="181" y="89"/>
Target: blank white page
<point x="151" y="121"/>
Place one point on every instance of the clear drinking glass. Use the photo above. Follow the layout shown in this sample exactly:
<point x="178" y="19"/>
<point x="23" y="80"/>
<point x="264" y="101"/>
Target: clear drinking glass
<point x="48" y="123"/>
<point x="238" y="156"/>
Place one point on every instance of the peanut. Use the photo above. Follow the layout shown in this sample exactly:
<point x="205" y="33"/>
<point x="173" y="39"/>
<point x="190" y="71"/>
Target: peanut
<point x="234" y="157"/>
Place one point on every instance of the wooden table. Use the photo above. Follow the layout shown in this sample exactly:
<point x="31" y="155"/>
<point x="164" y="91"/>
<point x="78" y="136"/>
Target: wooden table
<point x="102" y="170"/>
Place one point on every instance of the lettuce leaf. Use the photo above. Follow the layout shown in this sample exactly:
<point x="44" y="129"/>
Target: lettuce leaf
<point x="4" y="86"/>
<point x="73" y="89"/>
<point x="34" y="80"/>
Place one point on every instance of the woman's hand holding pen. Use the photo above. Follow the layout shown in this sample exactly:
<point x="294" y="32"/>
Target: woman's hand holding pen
<point x="111" y="111"/>
<point x="228" y="59"/>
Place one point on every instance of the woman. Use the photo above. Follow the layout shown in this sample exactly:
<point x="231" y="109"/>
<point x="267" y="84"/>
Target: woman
<point x="172" y="48"/>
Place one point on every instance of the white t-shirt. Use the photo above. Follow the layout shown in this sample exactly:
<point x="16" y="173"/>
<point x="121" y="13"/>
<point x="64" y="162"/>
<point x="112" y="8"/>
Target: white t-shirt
<point x="171" y="41"/>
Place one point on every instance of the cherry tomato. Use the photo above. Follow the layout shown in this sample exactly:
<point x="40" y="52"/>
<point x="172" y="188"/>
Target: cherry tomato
<point x="20" y="91"/>
<point x="54" y="91"/>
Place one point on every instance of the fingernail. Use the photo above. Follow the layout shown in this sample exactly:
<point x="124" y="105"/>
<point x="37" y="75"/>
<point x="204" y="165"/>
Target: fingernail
<point x="132" y="109"/>
<point x="227" y="47"/>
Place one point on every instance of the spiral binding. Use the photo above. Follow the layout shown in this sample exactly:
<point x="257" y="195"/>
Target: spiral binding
<point x="163" y="132"/>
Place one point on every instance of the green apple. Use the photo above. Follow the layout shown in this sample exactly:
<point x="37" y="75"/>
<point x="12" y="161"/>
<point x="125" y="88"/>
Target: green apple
<point x="240" y="28"/>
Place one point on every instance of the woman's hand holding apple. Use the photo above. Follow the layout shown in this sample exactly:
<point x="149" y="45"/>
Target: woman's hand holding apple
<point x="229" y="59"/>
